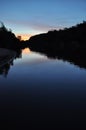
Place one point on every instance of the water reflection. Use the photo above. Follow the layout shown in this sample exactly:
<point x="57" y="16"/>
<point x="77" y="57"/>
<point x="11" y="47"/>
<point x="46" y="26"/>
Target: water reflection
<point x="76" y="59"/>
<point x="4" y="69"/>
<point x="43" y="91"/>
<point x="26" y="51"/>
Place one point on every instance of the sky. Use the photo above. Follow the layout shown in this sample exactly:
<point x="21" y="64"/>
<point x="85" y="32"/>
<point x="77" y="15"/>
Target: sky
<point x="31" y="17"/>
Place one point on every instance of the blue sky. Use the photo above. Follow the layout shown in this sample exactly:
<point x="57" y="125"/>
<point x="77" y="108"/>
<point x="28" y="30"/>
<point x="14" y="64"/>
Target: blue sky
<point x="38" y="16"/>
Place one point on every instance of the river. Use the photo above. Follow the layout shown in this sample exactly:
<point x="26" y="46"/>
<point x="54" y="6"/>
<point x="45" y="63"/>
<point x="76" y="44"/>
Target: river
<point x="39" y="91"/>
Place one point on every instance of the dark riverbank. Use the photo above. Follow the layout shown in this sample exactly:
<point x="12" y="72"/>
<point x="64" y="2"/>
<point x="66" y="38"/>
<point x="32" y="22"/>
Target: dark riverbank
<point x="6" y="56"/>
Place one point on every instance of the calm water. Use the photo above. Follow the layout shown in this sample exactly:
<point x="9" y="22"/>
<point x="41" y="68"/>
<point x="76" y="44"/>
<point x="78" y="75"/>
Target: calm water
<point x="39" y="91"/>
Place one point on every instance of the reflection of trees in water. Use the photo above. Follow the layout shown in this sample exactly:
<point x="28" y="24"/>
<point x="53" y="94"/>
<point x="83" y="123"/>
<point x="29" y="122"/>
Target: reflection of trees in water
<point x="4" y="70"/>
<point x="74" y="57"/>
<point x="18" y="54"/>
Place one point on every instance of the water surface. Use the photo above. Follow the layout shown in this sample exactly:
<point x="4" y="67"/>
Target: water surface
<point x="38" y="91"/>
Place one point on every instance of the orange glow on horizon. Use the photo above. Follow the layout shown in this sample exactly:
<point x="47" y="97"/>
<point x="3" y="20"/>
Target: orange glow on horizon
<point x="24" y="36"/>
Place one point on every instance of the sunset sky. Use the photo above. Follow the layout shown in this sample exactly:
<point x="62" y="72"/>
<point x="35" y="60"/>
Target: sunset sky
<point x="30" y="17"/>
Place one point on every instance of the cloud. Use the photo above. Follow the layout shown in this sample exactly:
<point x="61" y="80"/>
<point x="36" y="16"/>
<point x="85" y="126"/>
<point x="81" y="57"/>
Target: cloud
<point x="34" y="25"/>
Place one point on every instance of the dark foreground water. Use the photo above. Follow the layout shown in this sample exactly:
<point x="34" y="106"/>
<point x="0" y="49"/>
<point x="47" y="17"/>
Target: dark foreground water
<point x="41" y="93"/>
